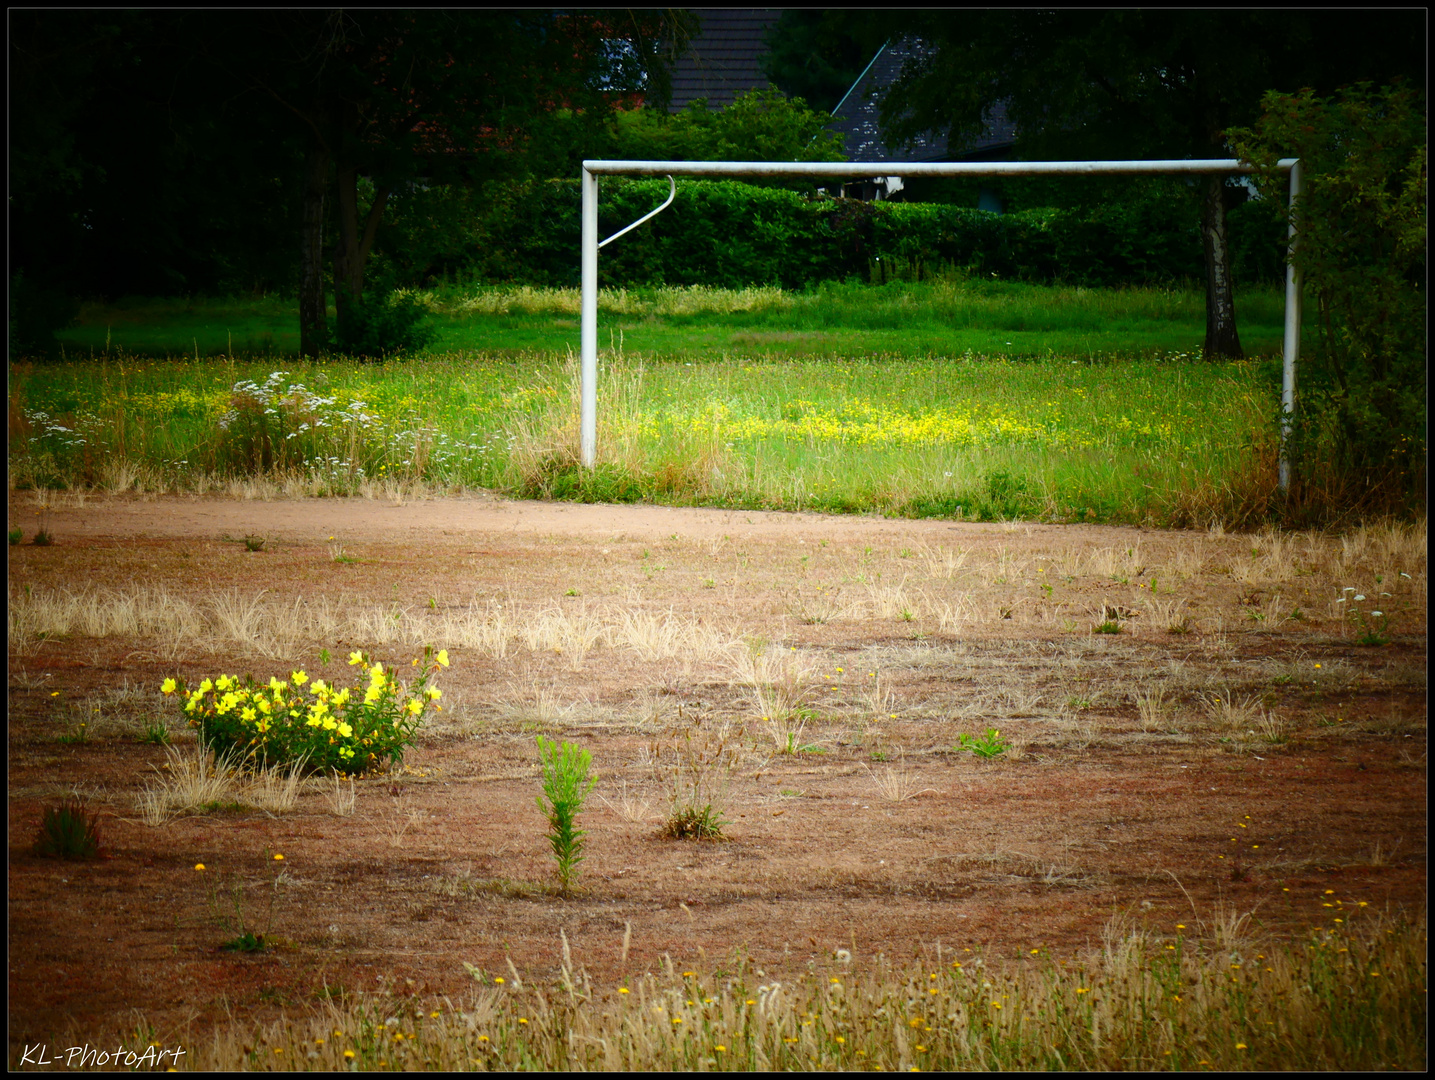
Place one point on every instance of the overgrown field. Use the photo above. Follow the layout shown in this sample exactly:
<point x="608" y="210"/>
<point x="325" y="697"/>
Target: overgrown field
<point x="751" y="399"/>
<point x="985" y="796"/>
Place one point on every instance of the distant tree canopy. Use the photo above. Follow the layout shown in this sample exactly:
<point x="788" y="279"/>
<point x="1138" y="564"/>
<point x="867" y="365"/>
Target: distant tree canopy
<point x="814" y="57"/>
<point x="1362" y="255"/>
<point x="1112" y="84"/>
<point x="188" y="151"/>
<point x="761" y="125"/>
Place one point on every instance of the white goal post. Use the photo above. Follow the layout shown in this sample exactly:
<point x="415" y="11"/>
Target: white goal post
<point x="848" y="171"/>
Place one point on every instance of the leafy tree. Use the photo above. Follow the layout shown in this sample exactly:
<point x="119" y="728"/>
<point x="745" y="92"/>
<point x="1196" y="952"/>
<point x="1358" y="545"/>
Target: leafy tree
<point x="761" y="125"/>
<point x="1361" y="254"/>
<point x="1158" y="83"/>
<point x="401" y="96"/>
<point x="811" y="57"/>
<point x="129" y="170"/>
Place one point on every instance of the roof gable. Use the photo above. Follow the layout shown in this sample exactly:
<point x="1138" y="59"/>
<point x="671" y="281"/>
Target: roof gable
<point x="856" y="117"/>
<point x="724" y="58"/>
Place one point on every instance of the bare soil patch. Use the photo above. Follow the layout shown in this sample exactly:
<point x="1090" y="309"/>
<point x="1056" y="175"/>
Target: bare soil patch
<point x="1229" y="749"/>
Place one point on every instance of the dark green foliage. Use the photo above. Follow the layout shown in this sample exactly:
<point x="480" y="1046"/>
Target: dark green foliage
<point x="730" y="234"/>
<point x="36" y="312"/>
<point x="397" y="323"/>
<point x="760" y="125"/>
<point x="247" y="942"/>
<point x="68" y="831"/>
<point x="809" y="57"/>
<point x="560" y="477"/>
<point x="1360" y="438"/>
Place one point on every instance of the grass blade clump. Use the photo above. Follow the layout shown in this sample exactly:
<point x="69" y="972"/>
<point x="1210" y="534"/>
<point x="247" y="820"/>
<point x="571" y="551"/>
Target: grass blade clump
<point x="68" y="831"/>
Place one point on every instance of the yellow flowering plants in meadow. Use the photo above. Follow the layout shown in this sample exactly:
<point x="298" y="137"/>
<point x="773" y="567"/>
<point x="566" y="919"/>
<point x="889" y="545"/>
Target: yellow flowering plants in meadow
<point x="311" y="721"/>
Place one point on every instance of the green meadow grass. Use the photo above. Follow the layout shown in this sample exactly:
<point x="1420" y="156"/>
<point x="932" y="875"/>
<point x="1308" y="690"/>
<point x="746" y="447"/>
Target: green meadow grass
<point x="963" y="399"/>
<point x="1157" y="440"/>
<point x="945" y="317"/>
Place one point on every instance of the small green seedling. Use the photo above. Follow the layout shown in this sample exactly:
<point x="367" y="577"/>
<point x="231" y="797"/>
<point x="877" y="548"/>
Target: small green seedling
<point x="247" y="942"/>
<point x="16" y="535"/>
<point x="986" y="746"/>
<point x="156" y="732"/>
<point x="566" y="784"/>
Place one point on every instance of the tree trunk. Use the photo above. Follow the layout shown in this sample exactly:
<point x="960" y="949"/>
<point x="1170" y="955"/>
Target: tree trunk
<point x="1222" y="341"/>
<point x="313" y="320"/>
<point x="351" y="250"/>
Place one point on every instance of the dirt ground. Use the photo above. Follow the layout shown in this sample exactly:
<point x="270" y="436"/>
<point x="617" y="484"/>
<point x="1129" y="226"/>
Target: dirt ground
<point x="1283" y="769"/>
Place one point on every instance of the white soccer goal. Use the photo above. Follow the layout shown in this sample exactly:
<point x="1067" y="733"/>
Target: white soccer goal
<point x="588" y="418"/>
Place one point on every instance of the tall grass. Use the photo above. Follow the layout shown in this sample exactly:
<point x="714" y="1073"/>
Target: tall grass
<point x="1343" y="999"/>
<point x="1159" y="440"/>
<point x="831" y="399"/>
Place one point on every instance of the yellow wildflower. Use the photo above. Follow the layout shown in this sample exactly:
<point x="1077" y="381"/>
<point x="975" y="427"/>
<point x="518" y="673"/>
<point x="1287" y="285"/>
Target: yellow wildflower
<point x="167" y="687"/>
<point x="442" y="657"/>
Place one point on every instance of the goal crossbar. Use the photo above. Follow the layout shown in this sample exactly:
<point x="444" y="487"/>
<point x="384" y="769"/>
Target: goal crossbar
<point x="850" y="171"/>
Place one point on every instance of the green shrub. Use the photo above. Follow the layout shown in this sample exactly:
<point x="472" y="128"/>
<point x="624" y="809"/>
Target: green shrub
<point x="1360" y="436"/>
<point x="397" y="323"/>
<point x="36" y="311"/>
<point x="731" y="234"/>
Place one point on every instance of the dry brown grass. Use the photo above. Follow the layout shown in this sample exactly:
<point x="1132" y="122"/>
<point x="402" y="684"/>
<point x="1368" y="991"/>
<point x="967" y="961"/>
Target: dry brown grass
<point x="897" y="786"/>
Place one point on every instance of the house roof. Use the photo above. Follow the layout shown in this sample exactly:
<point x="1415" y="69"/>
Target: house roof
<point x="856" y="116"/>
<point x="724" y="58"/>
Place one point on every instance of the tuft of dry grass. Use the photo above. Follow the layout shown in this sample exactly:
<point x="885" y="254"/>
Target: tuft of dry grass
<point x="627" y="806"/>
<point x="780" y="682"/>
<point x="188" y="783"/>
<point x="897" y="786"/>
<point x="1151" y="708"/>
<point x="342" y="802"/>
<point x="198" y="781"/>
<point x="1228" y="714"/>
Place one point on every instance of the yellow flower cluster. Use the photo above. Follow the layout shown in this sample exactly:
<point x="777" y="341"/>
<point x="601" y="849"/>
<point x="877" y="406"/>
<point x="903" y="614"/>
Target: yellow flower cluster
<point x="323" y="724"/>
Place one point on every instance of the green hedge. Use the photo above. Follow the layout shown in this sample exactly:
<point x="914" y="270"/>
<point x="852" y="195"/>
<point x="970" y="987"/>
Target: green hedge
<point x="730" y="234"/>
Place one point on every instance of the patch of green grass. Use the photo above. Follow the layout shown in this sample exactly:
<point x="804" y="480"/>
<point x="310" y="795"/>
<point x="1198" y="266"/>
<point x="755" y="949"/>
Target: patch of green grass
<point x="944" y="317"/>
<point x="856" y="413"/>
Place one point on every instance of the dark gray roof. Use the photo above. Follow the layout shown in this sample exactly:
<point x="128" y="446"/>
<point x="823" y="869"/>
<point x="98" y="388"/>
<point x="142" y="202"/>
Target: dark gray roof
<point x="856" y="118"/>
<point x="723" y="59"/>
